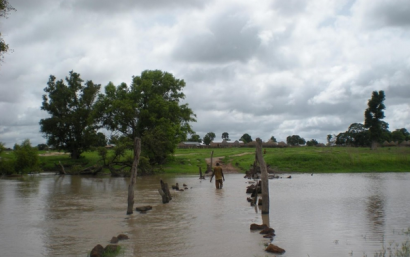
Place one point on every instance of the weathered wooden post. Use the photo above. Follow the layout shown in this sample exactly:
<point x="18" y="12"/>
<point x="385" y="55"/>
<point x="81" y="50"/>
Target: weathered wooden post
<point x="134" y="169"/>
<point x="164" y="192"/>
<point x="264" y="177"/>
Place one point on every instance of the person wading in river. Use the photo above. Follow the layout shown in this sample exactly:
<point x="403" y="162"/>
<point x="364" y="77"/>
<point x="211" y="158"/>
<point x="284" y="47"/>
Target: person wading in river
<point x="219" y="175"/>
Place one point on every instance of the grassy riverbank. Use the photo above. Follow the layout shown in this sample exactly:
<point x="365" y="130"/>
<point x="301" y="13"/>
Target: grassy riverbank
<point x="303" y="159"/>
<point x="291" y="159"/>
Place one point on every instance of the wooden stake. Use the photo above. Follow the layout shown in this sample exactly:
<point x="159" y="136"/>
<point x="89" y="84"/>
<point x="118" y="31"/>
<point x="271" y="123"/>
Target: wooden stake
<point x="264" y="177"/>
<point x="134" y="169"/>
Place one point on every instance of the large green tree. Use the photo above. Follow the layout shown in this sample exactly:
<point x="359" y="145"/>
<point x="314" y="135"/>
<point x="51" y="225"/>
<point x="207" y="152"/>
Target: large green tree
<point x="70" y="105"/>
<point x="246" y="138"/>
<point x="295" y="140"/>
<point x="358" y="135"/>
<point x="373" y="117"/>
<point x="225" y="136"/>
<point x="5" y="8"/>
<point x="195" y="138"/>
<point x="150" y="108"/>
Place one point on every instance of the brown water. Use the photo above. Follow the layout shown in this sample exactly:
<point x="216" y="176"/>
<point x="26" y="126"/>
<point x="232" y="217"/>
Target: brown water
<point x="320" y="215"/>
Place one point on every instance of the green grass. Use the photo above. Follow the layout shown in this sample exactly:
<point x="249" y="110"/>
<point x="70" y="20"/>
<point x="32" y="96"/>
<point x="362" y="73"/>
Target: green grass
<point x="291" y="159"/>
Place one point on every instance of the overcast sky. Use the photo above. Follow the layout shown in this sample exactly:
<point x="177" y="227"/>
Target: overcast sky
<point x="266" y="68"/>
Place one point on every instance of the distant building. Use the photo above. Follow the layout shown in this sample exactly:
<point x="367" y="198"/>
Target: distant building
<point x="189" y="145"/>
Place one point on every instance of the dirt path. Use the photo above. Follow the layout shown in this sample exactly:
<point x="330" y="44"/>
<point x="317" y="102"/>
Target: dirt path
<point x="226" y="168"/>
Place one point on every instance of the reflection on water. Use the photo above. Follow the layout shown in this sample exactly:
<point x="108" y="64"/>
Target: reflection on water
<point x="320" y="215"/>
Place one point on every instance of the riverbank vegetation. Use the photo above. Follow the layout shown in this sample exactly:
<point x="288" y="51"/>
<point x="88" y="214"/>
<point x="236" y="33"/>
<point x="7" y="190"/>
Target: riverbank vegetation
<point x="286" y="160"/>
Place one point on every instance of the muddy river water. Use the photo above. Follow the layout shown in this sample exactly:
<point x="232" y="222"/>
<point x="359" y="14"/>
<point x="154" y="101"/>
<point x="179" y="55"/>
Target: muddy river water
<point x="319" y="215"/>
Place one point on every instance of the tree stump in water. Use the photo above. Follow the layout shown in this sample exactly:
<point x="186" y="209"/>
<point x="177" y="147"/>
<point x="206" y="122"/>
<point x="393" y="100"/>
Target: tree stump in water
<point x="164" y="192"/>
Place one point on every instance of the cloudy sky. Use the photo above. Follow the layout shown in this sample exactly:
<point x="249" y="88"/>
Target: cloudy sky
<point x="266" y="68"/>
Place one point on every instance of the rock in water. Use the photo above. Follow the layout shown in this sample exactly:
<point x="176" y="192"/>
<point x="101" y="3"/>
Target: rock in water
<point x="144" y="208"/>
<point x="97" y="251"/>
<point x="274" y="249"/>
<point x="122" y="237"/>
<point x="258" y="227"/>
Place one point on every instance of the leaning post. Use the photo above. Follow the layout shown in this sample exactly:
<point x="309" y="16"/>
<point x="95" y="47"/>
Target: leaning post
<point x="134" y="169"/>
<point x="264" y="177"/>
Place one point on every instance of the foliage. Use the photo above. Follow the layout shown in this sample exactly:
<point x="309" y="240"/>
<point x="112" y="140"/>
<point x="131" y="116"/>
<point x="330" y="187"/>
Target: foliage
<point x="100" y="140"/>
<point x="150" y="109"/>
<point x="225" y="136"/>
<point x="207" y="139"/>
<point x="295" y="140"/>
<point x="5" y="8"/>
<point x="211" y="135"/>
<point x="42" y="147"/>
<point x="246" y="138"/>
<point x="312" y="142"/>
<point x="2" y="148"/>
<point x="400" y="135"/>
<point x="373" y="116"/>
<point x="7" y="167"/>
<point x="273" y="139"/>
<point x="195" y="138"/>
<point x="70" y="126"/>
<point x="26" y="157"/>
<point x="358" y="135"/>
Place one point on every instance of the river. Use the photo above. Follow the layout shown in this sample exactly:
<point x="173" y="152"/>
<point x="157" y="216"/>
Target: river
<point x="319" y="215"/>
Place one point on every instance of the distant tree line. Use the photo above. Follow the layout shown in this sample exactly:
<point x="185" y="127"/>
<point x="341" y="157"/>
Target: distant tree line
<point x="374" y="130"/>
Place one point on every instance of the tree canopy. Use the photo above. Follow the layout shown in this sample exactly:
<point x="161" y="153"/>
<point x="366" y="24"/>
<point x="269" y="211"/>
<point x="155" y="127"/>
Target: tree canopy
<point x="295" y="140"/>
<point x="70" y="105"/>
<point x="195" y="138"/>
<point x="150" y="109"/>
<point x="273" y="139"/>
<point x="5" y="8"/>
<point x="373" y="116"/>
<point x="225" y="136"/>
<point x="246" y="138"/>
<point x="312" y="142"/>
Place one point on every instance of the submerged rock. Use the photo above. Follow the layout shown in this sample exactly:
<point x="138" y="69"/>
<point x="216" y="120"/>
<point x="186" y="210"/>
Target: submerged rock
<point x="97" y="251"/>
<point x="268" y="231"/>
<point x="274" y="249"/>
<point x="144" y="208"/>
<point x="258" y="227"/>
<point x="122" y="237"/>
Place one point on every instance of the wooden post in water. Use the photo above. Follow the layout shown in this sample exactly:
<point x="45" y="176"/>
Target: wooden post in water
<point x="134" y="169"/>
<point x="200" y="174"/>
<point x="264" y="177"/>
<point x="164" y="192"/>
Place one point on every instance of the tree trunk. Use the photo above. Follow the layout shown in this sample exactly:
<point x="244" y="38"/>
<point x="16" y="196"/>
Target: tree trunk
<point x="264" y="177"/>
<point x="134" y="169"/>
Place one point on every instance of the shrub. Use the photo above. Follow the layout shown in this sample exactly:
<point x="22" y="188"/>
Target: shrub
<point x="26" y="157"/>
